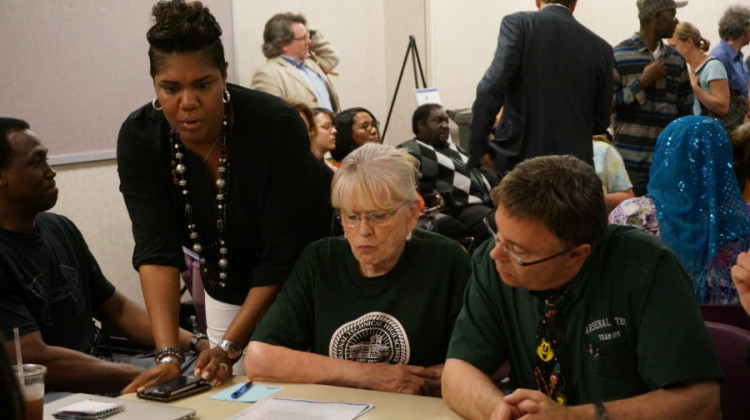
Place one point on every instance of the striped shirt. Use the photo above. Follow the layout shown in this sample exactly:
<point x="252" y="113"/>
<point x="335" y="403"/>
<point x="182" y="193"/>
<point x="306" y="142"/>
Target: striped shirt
<point x="642" y="112"/>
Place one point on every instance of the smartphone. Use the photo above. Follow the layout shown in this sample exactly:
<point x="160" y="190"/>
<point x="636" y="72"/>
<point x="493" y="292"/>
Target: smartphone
<point x="176" y="388"/>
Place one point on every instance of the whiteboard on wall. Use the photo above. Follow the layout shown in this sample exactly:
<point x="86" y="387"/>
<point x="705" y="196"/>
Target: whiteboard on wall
<point x="75" y="69"/>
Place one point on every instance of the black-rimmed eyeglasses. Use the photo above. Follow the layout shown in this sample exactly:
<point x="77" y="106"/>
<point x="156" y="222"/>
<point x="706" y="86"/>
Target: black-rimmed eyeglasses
<point x="515" y="257"/>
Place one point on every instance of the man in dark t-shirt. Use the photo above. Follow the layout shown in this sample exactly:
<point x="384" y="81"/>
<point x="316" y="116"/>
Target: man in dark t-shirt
<point x="51" y="287"/>
<point x="594" y="321"/>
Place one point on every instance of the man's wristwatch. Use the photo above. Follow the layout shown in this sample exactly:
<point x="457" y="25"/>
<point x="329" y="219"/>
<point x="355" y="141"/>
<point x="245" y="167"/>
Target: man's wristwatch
<point x="232" y="349"/>
<point x="194" y="341"/>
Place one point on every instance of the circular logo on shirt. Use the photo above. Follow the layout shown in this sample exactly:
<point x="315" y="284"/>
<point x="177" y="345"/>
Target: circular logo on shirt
<point x="372" y="338"/>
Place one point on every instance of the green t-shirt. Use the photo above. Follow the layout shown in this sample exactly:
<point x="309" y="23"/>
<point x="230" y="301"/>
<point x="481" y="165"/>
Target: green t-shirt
<point x="632" y="322"/>
<point x="405" y="316"/>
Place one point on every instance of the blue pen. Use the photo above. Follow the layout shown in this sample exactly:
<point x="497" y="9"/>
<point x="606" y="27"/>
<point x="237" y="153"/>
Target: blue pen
<point x="241" y="390"/>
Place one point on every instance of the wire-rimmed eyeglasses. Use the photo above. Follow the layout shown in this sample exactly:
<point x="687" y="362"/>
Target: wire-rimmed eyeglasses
<point x="374" y="218"/>
<point x="327" y="127"/>
<point x="515" y="257"/>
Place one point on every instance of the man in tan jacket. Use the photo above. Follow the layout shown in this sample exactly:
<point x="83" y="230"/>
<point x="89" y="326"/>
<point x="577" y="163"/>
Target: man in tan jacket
<point x="298" y="64"/>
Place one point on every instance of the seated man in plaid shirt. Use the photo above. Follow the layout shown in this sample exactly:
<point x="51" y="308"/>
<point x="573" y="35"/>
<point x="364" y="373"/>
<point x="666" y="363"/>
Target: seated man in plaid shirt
<point x="466" y="192"/>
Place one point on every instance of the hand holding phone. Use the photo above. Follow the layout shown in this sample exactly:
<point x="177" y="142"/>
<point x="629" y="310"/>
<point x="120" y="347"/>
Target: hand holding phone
<point x="176" y="388"/>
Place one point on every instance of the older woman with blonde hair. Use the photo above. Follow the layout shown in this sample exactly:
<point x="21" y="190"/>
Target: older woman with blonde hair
<point x="708" y="77"/>
<point x="374" y="307"/>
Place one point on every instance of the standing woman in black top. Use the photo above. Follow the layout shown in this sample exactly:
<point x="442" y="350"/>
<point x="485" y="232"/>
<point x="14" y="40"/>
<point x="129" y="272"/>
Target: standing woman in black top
<point x="222" y="170"/>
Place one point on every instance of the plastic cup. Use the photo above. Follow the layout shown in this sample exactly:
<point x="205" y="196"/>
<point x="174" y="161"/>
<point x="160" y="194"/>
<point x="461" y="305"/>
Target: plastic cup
<point x="33" y="389"/>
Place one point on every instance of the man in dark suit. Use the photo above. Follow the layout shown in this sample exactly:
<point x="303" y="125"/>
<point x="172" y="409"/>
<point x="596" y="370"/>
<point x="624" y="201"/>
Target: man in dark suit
<point x="552" y="77"/>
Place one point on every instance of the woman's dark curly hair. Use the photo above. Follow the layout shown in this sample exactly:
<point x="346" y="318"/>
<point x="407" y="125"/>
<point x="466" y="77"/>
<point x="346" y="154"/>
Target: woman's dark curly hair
<point x="184" y="27"/>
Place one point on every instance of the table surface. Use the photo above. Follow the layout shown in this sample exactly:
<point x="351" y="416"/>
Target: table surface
<point x="387" y="405"/>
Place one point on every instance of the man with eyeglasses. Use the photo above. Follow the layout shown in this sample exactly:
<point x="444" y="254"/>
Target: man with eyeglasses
<point x="442" y="167"/>
<point x="595" y="321"/>
<point x="298" y="63"/>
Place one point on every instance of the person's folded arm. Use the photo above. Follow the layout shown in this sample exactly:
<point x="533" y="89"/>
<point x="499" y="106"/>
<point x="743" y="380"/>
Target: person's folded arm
<point x="71" y="370"/>
<point x="267" y="362"/>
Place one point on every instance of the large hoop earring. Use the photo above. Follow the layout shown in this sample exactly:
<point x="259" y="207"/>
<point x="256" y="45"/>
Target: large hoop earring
<point x="154" y="105"/>
<point x="226" y="97"/>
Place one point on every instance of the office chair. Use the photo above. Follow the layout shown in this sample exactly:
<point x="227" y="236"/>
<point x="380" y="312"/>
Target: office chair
<point x="732" y="344"/>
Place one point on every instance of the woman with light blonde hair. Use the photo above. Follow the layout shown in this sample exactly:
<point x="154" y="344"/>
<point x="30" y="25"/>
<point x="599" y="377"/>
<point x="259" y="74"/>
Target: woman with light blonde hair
<point x="708" y="76"/>
<point x="373" y="308"/>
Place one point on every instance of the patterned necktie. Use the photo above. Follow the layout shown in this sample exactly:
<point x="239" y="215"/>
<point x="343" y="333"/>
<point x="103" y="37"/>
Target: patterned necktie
<point x="549" y="357"/>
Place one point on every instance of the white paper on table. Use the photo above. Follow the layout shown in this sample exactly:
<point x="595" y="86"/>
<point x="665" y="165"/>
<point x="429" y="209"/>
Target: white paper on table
<point x="293" y="409"/>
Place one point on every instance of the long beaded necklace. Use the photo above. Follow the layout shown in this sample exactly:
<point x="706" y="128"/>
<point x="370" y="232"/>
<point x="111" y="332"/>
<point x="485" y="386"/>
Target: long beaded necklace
<point x="222" y="191"/>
